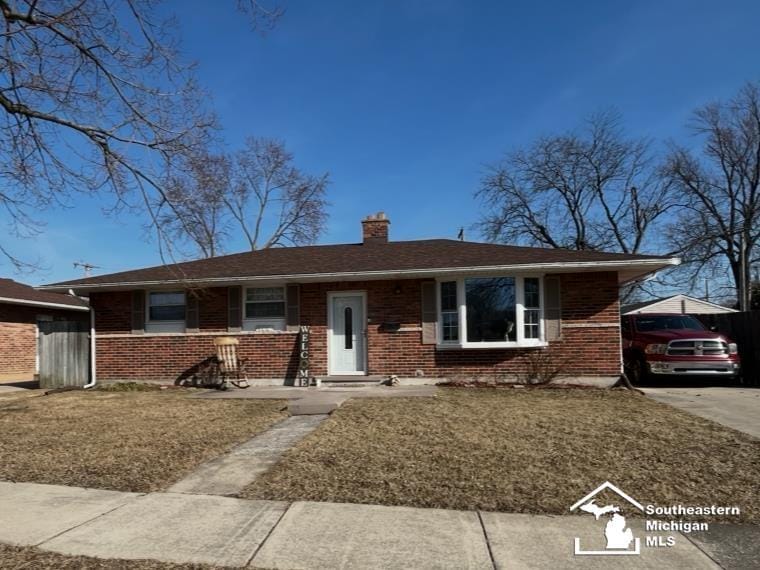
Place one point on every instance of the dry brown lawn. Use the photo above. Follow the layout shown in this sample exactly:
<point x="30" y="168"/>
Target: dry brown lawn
<point x="29" y="558"/>
<point x="531" y="451"/>
<point x="127" y="441"/>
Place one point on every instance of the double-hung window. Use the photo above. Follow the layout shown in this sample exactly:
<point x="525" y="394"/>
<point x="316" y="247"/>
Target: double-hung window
<point x="264" y="308"/>
<point x="449" y="312"/>
<point x="166" y="311"/>
<point x="490" y="312"/>
<point x="532" y="308"/>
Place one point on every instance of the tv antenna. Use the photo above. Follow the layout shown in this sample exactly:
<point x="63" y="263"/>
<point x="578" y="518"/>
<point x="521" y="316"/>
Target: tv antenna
<point x="86" y="267"/>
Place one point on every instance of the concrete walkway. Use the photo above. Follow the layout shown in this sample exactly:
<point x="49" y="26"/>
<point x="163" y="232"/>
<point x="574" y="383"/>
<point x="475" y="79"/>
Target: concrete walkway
<point x="737" y="408"/>
<point x="232" y="472"/>
<point x="322" y="400"/>
<point x="182" y="528"/>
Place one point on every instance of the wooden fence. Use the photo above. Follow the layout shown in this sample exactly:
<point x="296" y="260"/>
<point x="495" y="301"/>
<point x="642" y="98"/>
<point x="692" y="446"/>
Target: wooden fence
<point x="744" y="330"/>
<point x="64" y="352"/>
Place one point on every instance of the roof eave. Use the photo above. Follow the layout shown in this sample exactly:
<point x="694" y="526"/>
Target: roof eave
<point x="29" y="303"/>
<point x="660" y="301"/>
<point x="629" y="270"/>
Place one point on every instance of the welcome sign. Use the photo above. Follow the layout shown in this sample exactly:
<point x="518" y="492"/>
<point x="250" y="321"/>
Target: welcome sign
<point x="303" y="356"/>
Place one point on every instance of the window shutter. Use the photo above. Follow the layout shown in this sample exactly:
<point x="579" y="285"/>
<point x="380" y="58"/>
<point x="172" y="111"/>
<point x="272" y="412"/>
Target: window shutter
<point x="429" y="313"/>
<point x="552" y="309"/>
<point x="191" y="312"/>
<point x="138" y="312"/>
<point x="234" y="309"/>
<point x="293" y="307"/>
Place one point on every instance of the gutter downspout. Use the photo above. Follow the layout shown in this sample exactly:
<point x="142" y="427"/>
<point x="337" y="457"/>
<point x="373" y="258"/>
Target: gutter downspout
<point x="93" y="374"/>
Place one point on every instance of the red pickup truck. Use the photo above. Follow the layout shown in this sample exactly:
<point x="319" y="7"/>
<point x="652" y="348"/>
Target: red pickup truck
<point x="657" y="344"/>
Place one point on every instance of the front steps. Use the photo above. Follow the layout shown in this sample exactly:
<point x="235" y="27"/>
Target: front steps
<point x="351" y="381"/>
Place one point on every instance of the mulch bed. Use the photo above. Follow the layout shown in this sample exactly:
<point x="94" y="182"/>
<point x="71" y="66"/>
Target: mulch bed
<point x="518" y="450"/>
<point x="128" y="441"/>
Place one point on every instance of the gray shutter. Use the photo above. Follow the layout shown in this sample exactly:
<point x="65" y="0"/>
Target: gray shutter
<point x="191" y="312"/>
<point x="234" y="309"/>
<point x="552" y="309"/>
<point x="293" y="309"/>
<point x="429" y="313"/>
<point x="138" y="312"/>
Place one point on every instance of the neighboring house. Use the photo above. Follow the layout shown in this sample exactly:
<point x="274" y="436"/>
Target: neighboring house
<point x="21" y="309"/>
<point x="681" y="304"/>
<point x="430" y="308"/>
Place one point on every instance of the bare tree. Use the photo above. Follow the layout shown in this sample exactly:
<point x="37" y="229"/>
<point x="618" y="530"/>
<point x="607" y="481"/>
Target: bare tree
<point x="196" y="197"/>
<point x="273" y="202"/>
<point x="93" y="96"/>
<point x="257" y="190"/>
<point x="720" y="189"/>
<point x="593" y="189"/>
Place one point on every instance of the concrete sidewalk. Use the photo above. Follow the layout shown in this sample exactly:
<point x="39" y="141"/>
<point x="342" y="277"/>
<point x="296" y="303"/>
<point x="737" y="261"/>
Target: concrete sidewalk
<point x="186" y="528"/>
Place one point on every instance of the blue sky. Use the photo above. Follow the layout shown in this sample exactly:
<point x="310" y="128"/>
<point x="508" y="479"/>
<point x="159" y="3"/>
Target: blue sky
<point x="404" y="102"/>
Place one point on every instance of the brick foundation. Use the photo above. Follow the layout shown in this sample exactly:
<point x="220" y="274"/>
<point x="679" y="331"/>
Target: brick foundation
<point x="590" y="343"/>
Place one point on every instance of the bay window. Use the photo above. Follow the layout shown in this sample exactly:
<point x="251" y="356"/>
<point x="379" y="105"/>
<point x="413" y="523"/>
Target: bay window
<point x="490" y="312"/>
<point x="264" y="308"/>
<point x="491" y="309"/>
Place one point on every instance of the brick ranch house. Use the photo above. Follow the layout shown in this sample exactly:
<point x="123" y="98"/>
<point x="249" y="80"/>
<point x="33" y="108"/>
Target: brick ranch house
<point x="429" y="308"/>
<point x="22" y="308"/>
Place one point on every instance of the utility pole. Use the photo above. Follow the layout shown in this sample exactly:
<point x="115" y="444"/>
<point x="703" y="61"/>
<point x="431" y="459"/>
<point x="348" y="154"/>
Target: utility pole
<point x="460" y="235"/>
<point x="707" y="289"/>
<point x="86" y="267"/>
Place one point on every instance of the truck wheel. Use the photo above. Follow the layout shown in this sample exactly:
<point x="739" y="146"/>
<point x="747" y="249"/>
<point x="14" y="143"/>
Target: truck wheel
<point x="639" y="374"/>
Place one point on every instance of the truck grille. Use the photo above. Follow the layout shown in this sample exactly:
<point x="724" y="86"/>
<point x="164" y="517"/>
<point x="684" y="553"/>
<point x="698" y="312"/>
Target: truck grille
<point x="697" y="348"/>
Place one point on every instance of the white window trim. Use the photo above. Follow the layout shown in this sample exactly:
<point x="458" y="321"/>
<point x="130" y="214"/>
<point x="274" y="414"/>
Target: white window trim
<point x="254" y="323"/>
<point x="521" y="341"/>
<point x="439" y="308"/>
<point x="163" y="326"/>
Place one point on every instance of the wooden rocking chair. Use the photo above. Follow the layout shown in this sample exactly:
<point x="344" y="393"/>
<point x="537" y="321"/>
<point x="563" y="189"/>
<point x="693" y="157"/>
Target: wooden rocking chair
<point x="231" y="368"/>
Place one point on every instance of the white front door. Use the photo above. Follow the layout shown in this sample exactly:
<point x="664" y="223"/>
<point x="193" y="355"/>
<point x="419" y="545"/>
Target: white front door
<point x="347" y="353"/>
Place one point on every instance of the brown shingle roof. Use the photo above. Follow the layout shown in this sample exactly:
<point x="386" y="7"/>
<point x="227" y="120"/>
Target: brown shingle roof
<point x="370" y="258"/>
<point x="11" y="291"/>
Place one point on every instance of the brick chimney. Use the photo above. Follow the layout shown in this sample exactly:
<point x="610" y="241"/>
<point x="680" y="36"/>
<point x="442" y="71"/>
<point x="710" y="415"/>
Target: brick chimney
<point x="375" y="228"/>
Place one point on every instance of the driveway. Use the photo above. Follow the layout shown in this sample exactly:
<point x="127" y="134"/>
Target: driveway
<point x="737" y="408"/>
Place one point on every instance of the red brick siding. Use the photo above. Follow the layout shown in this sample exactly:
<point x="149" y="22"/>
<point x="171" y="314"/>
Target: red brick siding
<point x="169" y="358"/>
<point x="212" y="309"/>
<point x="586" y="299"/>
<point x="18" y="337"/>
<point x="18" y="349"/>
<point x="113" y="311"/>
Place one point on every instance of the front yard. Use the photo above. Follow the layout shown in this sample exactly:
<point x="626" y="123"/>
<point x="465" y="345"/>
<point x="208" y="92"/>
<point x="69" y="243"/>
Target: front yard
<point x="126" y="441"/>
<point x="527" y="451"/>
<point x="515" y="450"/>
